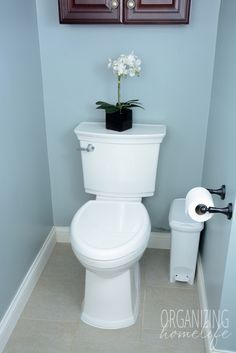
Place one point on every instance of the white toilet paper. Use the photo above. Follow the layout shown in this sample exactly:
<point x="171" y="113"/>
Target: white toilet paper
<point x="198" y="196"/>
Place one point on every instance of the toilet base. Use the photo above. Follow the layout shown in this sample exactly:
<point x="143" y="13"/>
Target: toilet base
<point x="111" y="299"/>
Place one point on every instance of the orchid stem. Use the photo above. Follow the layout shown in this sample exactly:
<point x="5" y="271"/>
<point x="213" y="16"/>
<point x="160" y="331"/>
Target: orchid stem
<point x="119" y="77"/>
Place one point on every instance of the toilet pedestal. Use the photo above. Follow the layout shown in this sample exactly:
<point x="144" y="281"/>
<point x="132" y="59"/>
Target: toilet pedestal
<point x="111" y="301"/>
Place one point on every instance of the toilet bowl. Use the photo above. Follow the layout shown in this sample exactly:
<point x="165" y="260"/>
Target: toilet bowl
<point x="108" y="238"/>
<point x="110" y="234"/>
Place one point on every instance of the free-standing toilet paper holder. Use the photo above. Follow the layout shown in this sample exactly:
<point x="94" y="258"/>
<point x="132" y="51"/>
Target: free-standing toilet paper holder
<point x="221" y="192"/>
<point x="228" y="211"/>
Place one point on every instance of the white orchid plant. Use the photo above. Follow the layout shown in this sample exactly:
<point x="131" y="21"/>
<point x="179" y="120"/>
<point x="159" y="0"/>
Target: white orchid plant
<point x="123" y="66"/>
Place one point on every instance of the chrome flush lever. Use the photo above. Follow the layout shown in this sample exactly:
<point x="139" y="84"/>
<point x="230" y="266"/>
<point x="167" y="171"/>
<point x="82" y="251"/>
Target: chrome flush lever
<point x="89" y="148"/>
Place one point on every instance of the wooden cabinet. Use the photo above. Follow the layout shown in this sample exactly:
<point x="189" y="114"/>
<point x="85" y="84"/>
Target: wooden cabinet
<point x="124" y="11"/>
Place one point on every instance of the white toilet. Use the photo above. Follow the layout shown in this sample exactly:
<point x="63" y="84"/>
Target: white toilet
<point x="110" y="234"/>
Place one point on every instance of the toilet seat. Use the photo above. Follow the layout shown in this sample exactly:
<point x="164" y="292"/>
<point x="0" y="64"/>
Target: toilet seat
<point x="105" y="231"/>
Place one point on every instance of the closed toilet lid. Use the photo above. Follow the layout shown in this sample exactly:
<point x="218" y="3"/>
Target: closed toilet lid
<point x="107" y="230"/>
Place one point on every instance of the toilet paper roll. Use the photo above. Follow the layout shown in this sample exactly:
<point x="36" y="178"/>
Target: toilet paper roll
<point x="198" y="196"/>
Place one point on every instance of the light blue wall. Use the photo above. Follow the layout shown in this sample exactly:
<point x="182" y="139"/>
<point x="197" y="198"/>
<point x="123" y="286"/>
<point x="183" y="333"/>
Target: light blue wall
<point x="218" y="252"/>
<point x="174" y="87"/>
<point x="25" y="203"/>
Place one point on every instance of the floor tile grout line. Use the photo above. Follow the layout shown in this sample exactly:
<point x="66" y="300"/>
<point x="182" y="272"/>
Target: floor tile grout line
<point x="143" y="306"/>
<point x="170" y="287"/>
<point x="50" y="321"/>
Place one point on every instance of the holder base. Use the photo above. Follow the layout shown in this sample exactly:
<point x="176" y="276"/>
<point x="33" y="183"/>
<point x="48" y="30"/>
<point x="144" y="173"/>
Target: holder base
<point x="227" y="211"/>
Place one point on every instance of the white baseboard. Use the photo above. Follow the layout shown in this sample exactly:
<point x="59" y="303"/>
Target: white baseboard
<point x="209" y="348"/>
<point x="203" y="304"/>
<point x="62" y="234"/>
<point x="220" y="351"/>
<point x="18" y="303"/>
<point x="158" y="240"/>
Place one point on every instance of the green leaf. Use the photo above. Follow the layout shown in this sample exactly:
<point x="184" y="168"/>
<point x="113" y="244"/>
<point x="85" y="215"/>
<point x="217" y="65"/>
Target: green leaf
<point x="136" y="106"/>
<point x="104" y="104"/>
<point x="101" y="102"/>
<point x="112" y="108"/>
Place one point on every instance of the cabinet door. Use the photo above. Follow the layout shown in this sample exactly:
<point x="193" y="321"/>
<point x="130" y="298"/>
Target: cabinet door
<point x="89" y="11"/>
<point x="156" y="11"/>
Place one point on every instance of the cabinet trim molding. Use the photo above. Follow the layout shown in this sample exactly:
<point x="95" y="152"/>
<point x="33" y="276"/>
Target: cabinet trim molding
<point x="121" y="11"/>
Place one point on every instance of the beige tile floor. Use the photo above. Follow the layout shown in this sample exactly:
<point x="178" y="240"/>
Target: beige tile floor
<point x="51" y="322"/>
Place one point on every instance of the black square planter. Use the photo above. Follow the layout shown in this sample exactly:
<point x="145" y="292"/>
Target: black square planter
<point x="119" y="121"/>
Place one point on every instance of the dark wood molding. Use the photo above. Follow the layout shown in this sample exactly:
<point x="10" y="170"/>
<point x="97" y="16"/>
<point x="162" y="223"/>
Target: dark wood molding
<point x="145" y="12"/>
<point x="158" y="12"/>
<point x="87" y="11"/>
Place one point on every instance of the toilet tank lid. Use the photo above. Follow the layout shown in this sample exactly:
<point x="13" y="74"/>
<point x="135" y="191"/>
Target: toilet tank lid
<point x="96" y="131"/>
<point x="179" y="220"/>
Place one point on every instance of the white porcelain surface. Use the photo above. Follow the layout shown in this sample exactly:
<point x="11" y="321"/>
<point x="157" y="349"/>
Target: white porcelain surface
<point x="146" y="133"/>
<point x="112" y="301"/>
<point x="109" y="235"/>
<point x="121" y="164"/>
<point x="109" y="230"/>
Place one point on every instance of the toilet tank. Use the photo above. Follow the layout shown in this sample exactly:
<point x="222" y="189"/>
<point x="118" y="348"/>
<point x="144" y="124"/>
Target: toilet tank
<point x="120" y="164"/>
